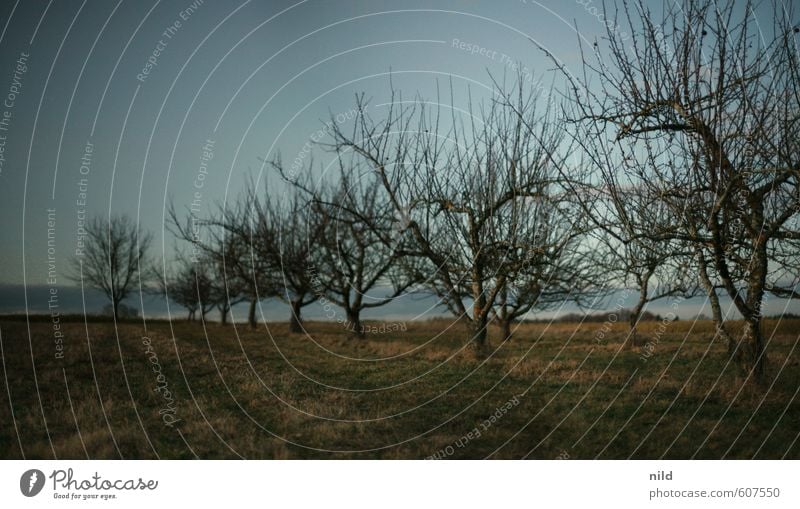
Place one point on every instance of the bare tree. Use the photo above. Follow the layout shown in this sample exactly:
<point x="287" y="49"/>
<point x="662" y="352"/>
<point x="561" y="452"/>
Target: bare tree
<point x="558" y="266"/>
<point x="178" y="287"/>
<point x="229" y="285"/>
<point x="189" y="283"/>
<point x="708" y="109"/>
<point x="280" y="236"/>
<point x="655" y="268"/>
<point x="114" y="259"/>
<point x="358" y="262"/>
<point x="224" y="241"/>
<point x="461" y="189"/>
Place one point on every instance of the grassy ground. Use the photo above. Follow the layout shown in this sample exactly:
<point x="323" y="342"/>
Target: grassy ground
<point x="564" y="390"/>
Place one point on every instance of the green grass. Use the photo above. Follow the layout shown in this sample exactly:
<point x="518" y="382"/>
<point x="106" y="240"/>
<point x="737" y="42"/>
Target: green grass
<point x="270" y="394"/>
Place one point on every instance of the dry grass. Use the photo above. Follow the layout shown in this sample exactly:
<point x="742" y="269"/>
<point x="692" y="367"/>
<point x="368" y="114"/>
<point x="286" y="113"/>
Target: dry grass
<point x="270" y="394"/>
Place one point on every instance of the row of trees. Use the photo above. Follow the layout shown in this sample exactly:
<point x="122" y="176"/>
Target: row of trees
<point x="670" y="167"/>
<point x="474" y="213"/>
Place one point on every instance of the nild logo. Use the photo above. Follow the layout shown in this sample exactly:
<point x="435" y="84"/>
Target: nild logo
<point x="31" y="482"/>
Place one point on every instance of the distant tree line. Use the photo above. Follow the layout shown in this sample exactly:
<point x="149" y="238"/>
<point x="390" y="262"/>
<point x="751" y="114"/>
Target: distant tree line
<point x="621" y="316"/>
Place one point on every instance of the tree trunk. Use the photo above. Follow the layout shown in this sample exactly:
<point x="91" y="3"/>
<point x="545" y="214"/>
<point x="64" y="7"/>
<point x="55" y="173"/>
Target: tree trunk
<point x="480" y="340"/>
<point x="115" y="306"/>
<point x="480" y="314"/>
<point x="295" y="323"/>
<point x="503" y="315"/>
<point x="755" y="354"/>
<point x="505" y="325"/>
<point x="753" y="348"/>
<point x="223" y="315"/>
<point x="354" y="324"/>
<point x="636" y="312"/>
<point x="251" y="315"/>
<point x="716" y="309"/>
<point x="719" y="324"/>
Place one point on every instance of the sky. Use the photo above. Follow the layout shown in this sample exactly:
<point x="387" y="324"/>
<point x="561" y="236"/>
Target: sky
<point x="146" y="86"/>
<point x="122" y="107"/>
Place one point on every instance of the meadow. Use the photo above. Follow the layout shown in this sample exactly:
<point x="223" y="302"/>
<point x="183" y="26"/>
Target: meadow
<point x="566" y="390"/>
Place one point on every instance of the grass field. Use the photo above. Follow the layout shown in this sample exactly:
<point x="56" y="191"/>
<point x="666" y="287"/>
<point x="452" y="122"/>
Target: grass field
<point x="557" y="391"/>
